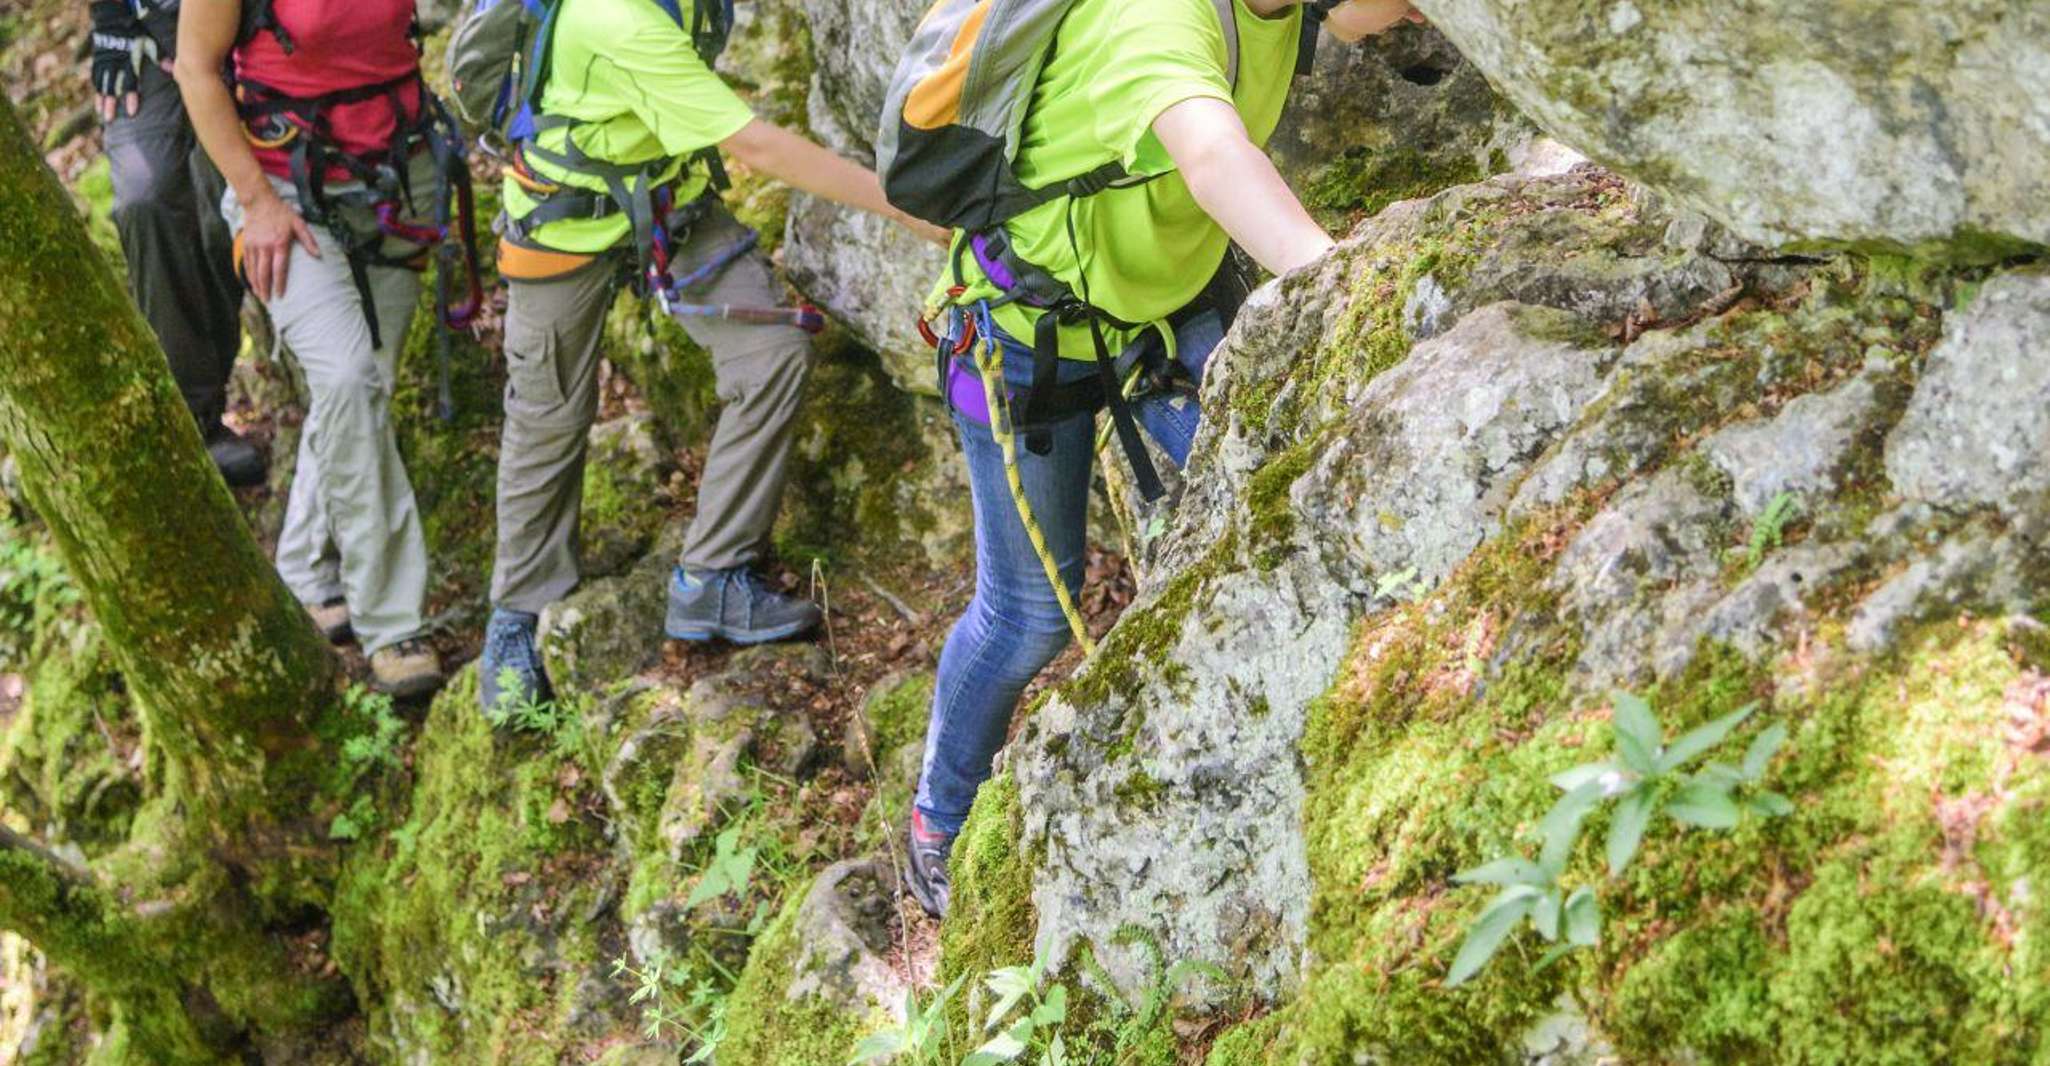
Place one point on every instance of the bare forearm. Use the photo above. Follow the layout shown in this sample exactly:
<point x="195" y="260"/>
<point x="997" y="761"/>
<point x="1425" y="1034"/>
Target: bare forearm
<point x="801" y="164"/>
<point x="1236" y="184"/>
<point x="206" y="30"/>
<point x="214" y="120"/>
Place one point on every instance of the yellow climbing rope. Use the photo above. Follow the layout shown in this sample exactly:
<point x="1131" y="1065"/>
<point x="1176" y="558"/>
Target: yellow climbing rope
<point x="989" y="360"/>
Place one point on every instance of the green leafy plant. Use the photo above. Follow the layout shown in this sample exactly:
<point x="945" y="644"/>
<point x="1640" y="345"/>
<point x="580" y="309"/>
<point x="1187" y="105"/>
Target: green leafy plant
<point x="1125" y="1025"/>
<point x="354" y="822"/>
<point x="675" y="1001"/>
<point x="560" y="720"/>
<point x="1021" y="1018"/>
<point x="923" y="1038"/>
<point x="1646" y="778"/>
<point x="376" y="747"/>
<point x="1769" y="529"/>
<point x="728" y="872"/>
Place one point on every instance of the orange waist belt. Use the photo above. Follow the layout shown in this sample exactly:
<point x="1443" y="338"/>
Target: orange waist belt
<point x="520" y="262"/>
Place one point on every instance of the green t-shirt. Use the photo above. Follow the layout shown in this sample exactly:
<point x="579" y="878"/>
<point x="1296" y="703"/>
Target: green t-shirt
<point x="632" y="77"/>
<point x="1116" y="66"/>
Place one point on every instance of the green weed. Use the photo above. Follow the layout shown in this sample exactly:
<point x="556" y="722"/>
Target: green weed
<point x="1644" y="780"/>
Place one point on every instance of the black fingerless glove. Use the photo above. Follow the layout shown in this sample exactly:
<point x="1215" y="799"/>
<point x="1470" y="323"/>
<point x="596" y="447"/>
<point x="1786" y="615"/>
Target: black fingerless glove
<point x="120" y="47"/>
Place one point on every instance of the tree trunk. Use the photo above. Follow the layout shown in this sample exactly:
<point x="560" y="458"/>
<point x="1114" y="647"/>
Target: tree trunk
<point x="225" y="669"/>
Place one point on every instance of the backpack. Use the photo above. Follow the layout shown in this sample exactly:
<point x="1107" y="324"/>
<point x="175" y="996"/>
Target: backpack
<point x="956" y="108"/>
<point x="498" y="57"/>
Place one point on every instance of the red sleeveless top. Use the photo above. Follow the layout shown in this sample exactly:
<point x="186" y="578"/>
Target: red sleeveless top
<point x="337" y="45"/>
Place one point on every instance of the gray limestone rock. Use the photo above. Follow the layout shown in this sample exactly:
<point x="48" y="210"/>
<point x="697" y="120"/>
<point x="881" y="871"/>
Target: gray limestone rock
<point x="1164" y="789"/>
<point x="1977" y="431"/>
<point x="1817" y="122"/>
<point x="843" y="933"/>
<point x="609" y="629"/>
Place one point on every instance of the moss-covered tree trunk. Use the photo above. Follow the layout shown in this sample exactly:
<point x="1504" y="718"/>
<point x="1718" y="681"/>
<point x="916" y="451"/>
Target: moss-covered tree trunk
<point x="224" y="667"/>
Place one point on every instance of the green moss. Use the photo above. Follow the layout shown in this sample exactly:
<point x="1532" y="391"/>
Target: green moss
<point x="1271" y="519"/>
<point x="1147" y="632"/>
<point x="764" y="1025"/>
<point x="898" y="712"/>
<point x="456" y="902"/>
<point x="1365" y="180"/>
<point x="1849" y="931"/>
<point x="991" y="922"/>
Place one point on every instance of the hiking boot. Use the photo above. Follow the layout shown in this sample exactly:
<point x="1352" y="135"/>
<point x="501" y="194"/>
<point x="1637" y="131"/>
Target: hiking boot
<point x="510" y="668"/>
<point x="736" y="605"/>
<point x="926" y="868"/>
<point x="240" y="463"/>
<point x="406" y="669"/>
<point x="331" y="620"/>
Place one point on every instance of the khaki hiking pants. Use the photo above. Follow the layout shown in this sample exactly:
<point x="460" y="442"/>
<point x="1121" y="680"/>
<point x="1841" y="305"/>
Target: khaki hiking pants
<point x="352" y="528"/>
<point x="552" y="333"/>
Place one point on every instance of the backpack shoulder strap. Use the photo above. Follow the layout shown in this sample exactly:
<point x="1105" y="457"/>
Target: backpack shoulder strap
<point x="1228" y="20"/>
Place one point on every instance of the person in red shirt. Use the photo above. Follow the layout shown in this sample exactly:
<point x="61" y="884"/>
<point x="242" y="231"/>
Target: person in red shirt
<point x="322" y="137"/>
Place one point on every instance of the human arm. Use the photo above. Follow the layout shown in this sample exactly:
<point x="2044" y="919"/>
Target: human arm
<point x="797" y="162"/>
<point x="1236" y="184"/>
<point x="206" y="33"/>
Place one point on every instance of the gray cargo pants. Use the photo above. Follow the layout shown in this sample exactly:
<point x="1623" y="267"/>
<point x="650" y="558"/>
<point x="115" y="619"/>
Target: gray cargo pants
<point x="352" y="528"/>
<point x="180" y="259"/>
<point x="552" y="333"/>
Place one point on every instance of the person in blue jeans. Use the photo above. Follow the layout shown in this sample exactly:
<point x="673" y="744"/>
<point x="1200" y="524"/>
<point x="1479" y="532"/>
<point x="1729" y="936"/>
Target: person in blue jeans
<point x="1103" y="269"/>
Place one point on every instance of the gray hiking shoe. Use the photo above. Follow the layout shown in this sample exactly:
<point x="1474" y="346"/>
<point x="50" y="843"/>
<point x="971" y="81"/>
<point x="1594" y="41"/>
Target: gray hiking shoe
<point x="510" y="668"/>
<point x="240" y="464"/>
<point x="735" y="605"/>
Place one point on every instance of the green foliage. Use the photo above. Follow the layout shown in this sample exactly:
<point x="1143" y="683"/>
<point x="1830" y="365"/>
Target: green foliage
<point x="375" y="746"/>
<point x="1768" y="530"/>
<point x="923" y="1038"/>
<point x="561" y="721"/>
<point x="678" y="1002"/>
<point x="35" y="590"/>
<point x="1644" y="780"/>
<point x="727" y="873"/>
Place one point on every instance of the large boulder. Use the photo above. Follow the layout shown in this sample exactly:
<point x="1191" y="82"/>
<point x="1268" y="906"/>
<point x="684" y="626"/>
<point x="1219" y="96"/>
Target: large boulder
<point x="1921" y="127"/>
<point x="1336" y="478"/>
<point x="1442" y="506"/>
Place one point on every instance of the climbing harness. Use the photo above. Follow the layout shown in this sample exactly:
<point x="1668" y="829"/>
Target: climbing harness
<point x="378" y="186"/>
<point x="503" y="54"/>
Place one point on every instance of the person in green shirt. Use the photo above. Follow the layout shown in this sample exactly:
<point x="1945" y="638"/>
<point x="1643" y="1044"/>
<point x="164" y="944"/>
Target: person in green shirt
<point x="1144" y="83"/>
<point x="631" y="121"/>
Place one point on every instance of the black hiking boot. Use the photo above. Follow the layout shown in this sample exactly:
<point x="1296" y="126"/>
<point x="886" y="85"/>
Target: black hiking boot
<point x="240" y="463"/>
<point x="926" y="869"/>
<point x="509" y="671"/>
<point x="736" y="605"/>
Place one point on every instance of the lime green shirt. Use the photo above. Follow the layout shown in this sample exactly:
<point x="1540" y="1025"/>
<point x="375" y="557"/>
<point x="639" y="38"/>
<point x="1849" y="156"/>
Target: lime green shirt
<point x="1117" y="65"/>
<point x="630" y="74"/>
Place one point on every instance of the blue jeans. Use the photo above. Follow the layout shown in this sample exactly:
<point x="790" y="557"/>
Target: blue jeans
<point x="1014" y="626"/>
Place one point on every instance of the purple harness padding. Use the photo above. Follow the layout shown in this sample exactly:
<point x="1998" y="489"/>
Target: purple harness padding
<point x="992" y="267"/>
<point x="965" y="392"/>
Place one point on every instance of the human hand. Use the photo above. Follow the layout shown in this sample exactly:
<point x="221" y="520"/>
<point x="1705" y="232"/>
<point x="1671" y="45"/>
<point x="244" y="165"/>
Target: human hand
<point x="269" y="229"/>
<point x="1356" y="20"/>
<point x="120" y="48"/>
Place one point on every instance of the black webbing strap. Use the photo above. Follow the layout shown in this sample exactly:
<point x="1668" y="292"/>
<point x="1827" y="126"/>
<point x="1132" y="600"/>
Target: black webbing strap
<point x="630" y="188"/>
